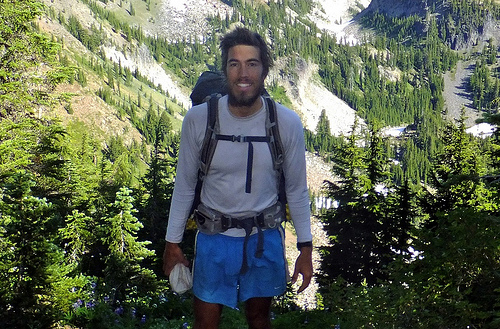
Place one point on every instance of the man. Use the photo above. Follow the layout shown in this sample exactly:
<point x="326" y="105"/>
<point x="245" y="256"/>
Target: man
<point x="228" y="267"/>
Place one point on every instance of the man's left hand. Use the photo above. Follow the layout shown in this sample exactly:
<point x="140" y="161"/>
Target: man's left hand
<point x="303" y="265"/>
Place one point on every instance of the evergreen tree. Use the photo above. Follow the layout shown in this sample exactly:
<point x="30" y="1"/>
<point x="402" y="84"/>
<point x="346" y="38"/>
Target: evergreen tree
<point x="79" y="236"/>
<point x="33" y="186"/>
<point x="123" y="272"/>
<point x="365" y="234"/>
<point x="323" y="134"/>
<point x="27" y="229"/>
<point x="323" y="127"/>
<point x="158" y="183"/>
<point x="457" y="250"/>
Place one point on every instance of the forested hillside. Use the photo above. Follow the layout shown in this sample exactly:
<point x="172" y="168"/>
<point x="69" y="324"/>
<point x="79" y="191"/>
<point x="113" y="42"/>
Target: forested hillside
<point x="91" y="102"/>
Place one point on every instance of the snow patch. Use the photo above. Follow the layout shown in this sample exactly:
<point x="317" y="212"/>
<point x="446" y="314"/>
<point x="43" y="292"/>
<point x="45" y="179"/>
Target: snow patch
<point x="482" y="130"/>
<point x="381" y="189"/>
<point x="393" y="131"/>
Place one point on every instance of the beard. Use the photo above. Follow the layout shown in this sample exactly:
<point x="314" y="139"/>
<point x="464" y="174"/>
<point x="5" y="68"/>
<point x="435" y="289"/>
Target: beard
<point x="243" y="99"/>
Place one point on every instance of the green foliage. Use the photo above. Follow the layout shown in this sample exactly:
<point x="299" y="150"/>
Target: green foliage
<point x="454" y="250"/>
<point x="484" y="88"/>
<point x="27" y="232"/>
<point x="458" y="252"/>
<point x="279" y="95"/>
<point x="122" y="228"/>
<point x="21" y="51"/>
<point x="158" y="310"/>
<point x="157" y="193"/>
<point x="32" y="182"/>
<point x="456" y="171"/>
<point x="82" y="226"/>
<point x="54" y="187"/>
<point x="368" y="229"/>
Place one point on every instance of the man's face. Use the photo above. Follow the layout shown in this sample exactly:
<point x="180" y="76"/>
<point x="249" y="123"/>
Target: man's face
<point x="245" y="77"/>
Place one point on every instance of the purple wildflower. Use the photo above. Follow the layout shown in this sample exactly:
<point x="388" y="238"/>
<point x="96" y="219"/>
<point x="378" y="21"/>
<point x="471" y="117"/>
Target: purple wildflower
<point x="119" y="310"/>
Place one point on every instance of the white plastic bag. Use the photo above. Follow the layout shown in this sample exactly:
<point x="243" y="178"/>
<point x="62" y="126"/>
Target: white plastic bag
<point x="180" y="278"/>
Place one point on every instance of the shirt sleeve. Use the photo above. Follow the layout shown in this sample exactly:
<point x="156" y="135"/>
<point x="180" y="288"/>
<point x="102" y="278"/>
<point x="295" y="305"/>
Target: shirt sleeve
<point x="193" y="129"/>
<point x="294" y="167"/>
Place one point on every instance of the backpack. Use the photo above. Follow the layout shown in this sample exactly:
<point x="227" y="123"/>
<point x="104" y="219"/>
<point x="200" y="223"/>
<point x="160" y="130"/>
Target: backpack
<point x="209" y="88"/>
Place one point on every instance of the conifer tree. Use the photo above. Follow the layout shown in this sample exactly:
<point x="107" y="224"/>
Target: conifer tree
<point x="123" y="271"/>
<point x="158" y="183"/>
<point x="27" y="229"/>
<point x="366" y="231"/>
<point x="457" y="243"/>
<point x="79" y="236"/>
<point x="33" y="187"/>
<point x="343" y="223"/>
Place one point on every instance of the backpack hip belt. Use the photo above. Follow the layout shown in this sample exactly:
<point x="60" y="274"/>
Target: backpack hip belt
<point x="210" y="221"/>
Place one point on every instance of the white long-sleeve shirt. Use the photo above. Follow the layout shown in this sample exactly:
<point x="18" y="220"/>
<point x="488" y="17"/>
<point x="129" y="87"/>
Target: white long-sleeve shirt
<point x="224" y="185"/>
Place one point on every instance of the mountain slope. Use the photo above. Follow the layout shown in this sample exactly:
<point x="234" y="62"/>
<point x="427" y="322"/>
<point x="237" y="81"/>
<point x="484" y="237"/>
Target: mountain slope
<point x="176" y="19"/>
<point x="309" y="97"/>
<point x="400" y="7"/>
<point x="116" y="49"/>
<point x="86" y="106"/>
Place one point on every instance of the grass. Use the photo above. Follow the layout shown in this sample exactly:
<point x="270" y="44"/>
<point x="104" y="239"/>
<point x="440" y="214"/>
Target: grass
<point x="235" y="319"/>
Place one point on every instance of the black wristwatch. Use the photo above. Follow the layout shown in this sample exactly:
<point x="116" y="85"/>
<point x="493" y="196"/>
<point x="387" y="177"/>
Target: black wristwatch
<point x="304" y="244"/>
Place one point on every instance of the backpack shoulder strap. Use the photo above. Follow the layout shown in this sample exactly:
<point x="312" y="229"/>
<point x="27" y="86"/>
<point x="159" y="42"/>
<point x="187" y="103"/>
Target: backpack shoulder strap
<point x="276" y="147"/>
<point x="210" y="142"/>
<point x="273" y="131"/>
<point x="208" y="146"/>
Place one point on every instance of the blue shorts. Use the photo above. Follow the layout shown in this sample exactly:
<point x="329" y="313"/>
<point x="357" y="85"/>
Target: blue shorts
<point x="216" y="270"/>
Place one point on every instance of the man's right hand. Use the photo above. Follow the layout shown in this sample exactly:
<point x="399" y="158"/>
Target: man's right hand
<point x="171" y="256"/>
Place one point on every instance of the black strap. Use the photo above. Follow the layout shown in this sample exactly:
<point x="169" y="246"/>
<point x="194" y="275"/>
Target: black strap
<point x="276" y="147"/>
<point x="208" y="148"/>
<point x="248" y="224"/>
<point x="249" y="140"/>
<point x="248" y="184"/>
